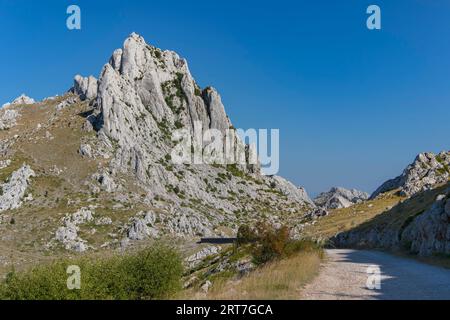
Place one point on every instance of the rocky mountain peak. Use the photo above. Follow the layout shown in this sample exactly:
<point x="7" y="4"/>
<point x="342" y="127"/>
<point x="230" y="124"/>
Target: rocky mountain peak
<point x="22" y="99"/>
<point x="147" y="82"/>
<point x="142" y="96"/>
<point x="339" y="197"/>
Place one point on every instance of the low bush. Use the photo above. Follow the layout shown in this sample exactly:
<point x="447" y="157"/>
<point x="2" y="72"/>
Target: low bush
<point x="268" y="243"/>
<point x="154" y="273"/>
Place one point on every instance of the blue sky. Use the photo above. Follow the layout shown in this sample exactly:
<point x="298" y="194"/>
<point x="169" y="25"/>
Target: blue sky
<point x="353" y="106"/>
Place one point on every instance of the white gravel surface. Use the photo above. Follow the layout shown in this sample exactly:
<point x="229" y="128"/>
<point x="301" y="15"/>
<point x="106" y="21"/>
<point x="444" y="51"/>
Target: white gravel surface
<point x="344" y="276"/>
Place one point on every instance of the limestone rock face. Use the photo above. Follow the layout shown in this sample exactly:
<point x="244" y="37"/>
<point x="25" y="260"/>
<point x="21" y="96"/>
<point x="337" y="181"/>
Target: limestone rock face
<point x="215" y="110"/>
<point x="68" y="233"/>
<point x="425" y="232"/>
<point x="427" y="171"/>
<point x="8" y="118"/>
<point x="70" y="100"/>
<point x="4" y="163"/>
<point x="142" y="227"/>
<point x="198" y="257"/>
<point x="106" y="182"/>
<point x="338" y="198"/>
<point x="14" y="190"/>
<point x="429" y="233"/>
<point x="145" y="94"/>
<point x="85" y="87"/>
<point x="290" y="190"/>
<point x="85" y="150"/>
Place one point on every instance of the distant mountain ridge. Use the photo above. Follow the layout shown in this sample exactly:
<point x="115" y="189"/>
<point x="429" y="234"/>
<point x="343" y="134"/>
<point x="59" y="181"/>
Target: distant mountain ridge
<point x="339" y="197"/>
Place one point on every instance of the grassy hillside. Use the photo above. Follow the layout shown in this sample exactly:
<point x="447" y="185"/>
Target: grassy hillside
<point x="387" y="212"/>
<point x="345" y="219"/>
<point x="398" y="218"/>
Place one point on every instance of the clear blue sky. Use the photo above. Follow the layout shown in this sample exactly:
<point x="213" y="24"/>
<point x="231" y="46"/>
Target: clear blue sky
<point x="353" y="106"/>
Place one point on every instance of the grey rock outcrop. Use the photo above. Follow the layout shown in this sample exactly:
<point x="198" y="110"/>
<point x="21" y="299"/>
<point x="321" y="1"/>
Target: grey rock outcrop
<point x="85" y="87"/>
<point x="206" y="286"/>
<point x="68" y="233"/>
<point x="293" y="192"/>
<point x="319" y="212"/>
<point x="338" y="198"/>
<point x="187" y="222"/>
<point x="195" y="259"/>
<point x="104" y="221"/>
<point x="429" y="233"/>
<point x="70" y="100"/>
<point x="144" y="92"/>
<point x="427" y="171"/>
<point x="13" y="191"/>
<point x="4" y="163"/>
<point x="142" y="227"/>
<point x="8" y="118"/>
<point x="106" y="182"/>
<point x="85" y="150"/>
<point x="82" y="216"/>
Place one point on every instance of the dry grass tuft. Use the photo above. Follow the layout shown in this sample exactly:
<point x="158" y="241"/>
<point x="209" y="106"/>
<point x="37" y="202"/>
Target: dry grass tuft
<point x="279" y="280"/>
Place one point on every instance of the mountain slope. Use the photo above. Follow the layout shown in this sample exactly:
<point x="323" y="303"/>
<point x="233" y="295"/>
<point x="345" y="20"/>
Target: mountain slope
<point x="393" y="219"/>
<point x="427" y="171"/>
<point x="99" y="173"/>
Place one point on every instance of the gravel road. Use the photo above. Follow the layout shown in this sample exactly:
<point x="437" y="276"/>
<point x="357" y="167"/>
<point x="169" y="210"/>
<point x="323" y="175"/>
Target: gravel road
<point x="344" y="276"/>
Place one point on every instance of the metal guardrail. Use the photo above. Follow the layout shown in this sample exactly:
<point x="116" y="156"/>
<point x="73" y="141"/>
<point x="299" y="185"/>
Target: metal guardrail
<point x="218" y="240"/>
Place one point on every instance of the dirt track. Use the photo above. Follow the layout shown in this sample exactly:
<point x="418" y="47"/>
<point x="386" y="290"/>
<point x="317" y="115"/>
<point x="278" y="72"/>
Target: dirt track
<point x="344" y="276"/>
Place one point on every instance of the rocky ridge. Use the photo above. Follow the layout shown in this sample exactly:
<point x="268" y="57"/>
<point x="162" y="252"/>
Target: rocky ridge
<point x="338" y="198"/>
<point x="424" y="231"/>
<point x="419" y="223"/>
<point x="427" y="171"/>
<point x="22" y="99"/>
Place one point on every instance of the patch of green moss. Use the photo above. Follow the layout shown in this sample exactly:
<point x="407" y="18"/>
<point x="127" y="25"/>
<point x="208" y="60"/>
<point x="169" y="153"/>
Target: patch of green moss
<point x="235" y="171"/>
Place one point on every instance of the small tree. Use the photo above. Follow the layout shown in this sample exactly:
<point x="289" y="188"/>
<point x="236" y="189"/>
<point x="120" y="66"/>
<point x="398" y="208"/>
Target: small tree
<point x="271" y="242"/>
<point x="246" y="235"/>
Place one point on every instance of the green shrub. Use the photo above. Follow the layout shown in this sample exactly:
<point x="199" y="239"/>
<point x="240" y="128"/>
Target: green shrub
<point x="154" y="273"/>
<point x="268" y="243"/>
<point x="178" y="124"/>
<point x="158" y="54"/>
<point x="245" y="235"/>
